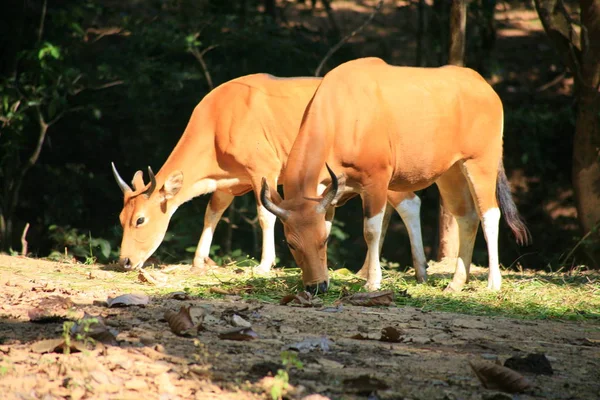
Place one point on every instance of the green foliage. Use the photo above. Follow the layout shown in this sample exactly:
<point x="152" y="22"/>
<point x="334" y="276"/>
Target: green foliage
<point x="79" y="245"/>
<point x="290" y="360"/>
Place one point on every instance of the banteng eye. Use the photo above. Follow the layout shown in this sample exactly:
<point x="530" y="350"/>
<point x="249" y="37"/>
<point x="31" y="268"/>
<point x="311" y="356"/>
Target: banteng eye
<point x="139" y="221"/>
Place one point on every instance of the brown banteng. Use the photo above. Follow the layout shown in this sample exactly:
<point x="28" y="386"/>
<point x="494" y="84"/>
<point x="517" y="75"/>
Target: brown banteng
<point x="241" y="131"/>
<point x="400" y="129"/>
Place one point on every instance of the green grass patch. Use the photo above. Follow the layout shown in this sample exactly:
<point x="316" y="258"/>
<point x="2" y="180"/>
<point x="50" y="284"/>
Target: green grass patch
<point x="573" y="295"/>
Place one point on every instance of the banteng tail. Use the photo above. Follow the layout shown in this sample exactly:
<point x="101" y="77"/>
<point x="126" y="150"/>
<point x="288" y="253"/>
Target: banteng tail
<point x="509" y="209"/>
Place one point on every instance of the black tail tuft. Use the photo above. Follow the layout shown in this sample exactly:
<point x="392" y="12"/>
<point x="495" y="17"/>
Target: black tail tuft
<point x="509" y="209"/>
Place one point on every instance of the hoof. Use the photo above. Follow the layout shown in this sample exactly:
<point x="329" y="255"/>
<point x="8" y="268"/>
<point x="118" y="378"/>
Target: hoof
<point x="262" y="270"/>
<point x="453" y="288"/>
<point x="363" y="273"/>
<point x="373" y="286"/>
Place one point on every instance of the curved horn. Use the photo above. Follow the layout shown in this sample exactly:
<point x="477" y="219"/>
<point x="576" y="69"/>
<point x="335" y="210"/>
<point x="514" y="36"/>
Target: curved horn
<point x="331" y="193"/>
<point x="124" y="186"/>
<point x="149" y="191"/>
<point x="269" y="205"/>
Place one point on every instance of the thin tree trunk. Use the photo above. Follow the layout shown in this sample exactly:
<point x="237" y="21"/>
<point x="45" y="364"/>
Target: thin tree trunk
<point x="448" y="228"/>
<point x="458" y="23"/>
<point x="420" y="34"/>
<point x="586" y="144"/>
<point x="271" y="8"/>
<point x="582" y="57"/>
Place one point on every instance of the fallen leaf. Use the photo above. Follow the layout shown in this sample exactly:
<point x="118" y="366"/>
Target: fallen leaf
<point x="497" y="377"/>
<point x="124" y="300"/>
<point x="370" y="299"/>
<point x="50" y="309"/>
<point x="360" y="336"/>
<point x="365" y="384"/>
<point x="391" y="334"/>
<point x="238" y="334"/>
<point x="226" y="292"/>
<point x="304" y="299"/>
<point x="532" y="363"/>
<point x="153" y="277"/>
<point x="100" y="274"/>
<point x="180" y="323"/>
<point x="310" y="344"/>
<point x="93" y="326"/>
<point x="179" y="296"/>
<point x="57" y="346"/>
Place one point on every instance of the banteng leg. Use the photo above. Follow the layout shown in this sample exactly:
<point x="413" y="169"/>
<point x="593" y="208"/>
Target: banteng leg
<point x="482" y="182"/>
<point x="374" y="203"/>
<point x="408" y="205"/>
<point x="387" y="216"/>
<point x="454" y="189"/>
<point x="267" y="222"/>
<point x="218" y="203"/>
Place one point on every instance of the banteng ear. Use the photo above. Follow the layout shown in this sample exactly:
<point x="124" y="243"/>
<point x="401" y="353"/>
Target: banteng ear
<point x="138" y="181"/>
<point x="172" y="185"/>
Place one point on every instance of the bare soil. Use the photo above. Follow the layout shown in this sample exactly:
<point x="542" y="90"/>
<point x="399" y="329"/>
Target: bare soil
<point x="431" y="360"/>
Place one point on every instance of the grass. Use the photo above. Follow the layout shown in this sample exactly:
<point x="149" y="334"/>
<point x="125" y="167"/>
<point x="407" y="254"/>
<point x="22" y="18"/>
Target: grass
<point x="571" y="295"/>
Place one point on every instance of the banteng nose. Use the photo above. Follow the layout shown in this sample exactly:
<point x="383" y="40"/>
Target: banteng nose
<point x="125" y="262"/>
<point x="318" y="288"/>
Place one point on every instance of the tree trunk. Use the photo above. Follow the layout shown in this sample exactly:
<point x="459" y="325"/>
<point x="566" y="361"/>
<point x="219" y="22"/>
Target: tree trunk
<point x="448" y="228"/>
<point x="458" y="23"/>
<point x="270" y="8"/>
<point x="586" y="144"/>
<point x="582" y="57"/>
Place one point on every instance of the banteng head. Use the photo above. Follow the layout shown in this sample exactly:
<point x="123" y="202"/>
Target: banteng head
<point x="305" y="230"/>
<point x="146" y="213"/>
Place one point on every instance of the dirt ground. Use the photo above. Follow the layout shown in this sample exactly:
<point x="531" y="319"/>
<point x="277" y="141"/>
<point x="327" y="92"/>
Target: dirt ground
<point x="430" y="360"/>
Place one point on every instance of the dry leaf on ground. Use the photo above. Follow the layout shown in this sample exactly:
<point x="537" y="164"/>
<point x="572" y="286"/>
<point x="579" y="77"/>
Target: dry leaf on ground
<point x="239" y="334"/>
<point x="304" y="299"/>
<point x="50" y="309"/>
<point x="494" y="376"/>
<point x="58" y="346"/>
<point x="532" y="363"/>
<point x="93" y="326"/>
<point x="181" y="323"/>
<point x="124" y="300"/>
<point x="370" y="299"/>
<point x="391" y="334"/>
<point x="153" y="277"/>
<point x="365" y="384"/>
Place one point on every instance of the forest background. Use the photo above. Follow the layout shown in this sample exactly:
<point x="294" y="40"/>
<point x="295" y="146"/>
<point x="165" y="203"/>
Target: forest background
<point x="87" y="82"/>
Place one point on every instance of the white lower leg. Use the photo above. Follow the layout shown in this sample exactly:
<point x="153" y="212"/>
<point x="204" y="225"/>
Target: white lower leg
<point x="211" y="219"/>
<point x="267" y="224"/>
<point x="372" y="232"/>
<point x="490" y="222"/>
<point x="467" y="230"/>
<point x="409" y="211"/>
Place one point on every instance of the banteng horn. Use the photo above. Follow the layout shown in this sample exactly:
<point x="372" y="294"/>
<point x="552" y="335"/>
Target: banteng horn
<point x="269" y="205"/>
<point x="124" y="186"/>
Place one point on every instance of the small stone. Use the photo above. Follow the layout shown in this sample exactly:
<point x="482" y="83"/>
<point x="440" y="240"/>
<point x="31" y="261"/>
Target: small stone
<point x="236" y="320"/>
